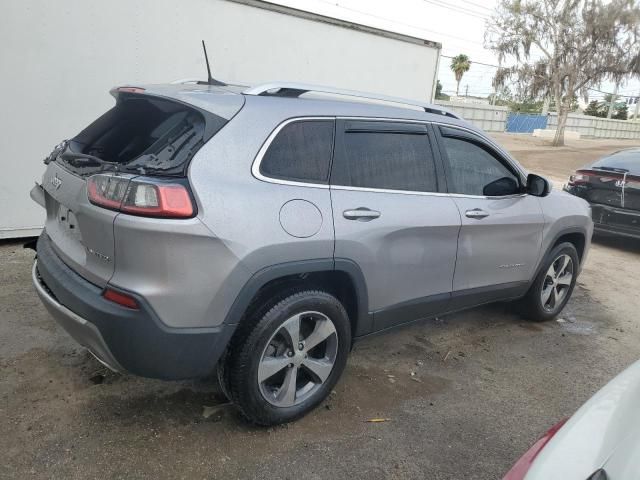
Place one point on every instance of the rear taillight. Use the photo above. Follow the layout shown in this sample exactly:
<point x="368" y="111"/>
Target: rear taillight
<point x="144" y="197"/>
<point x="579" y="178"/>
<point x="522" y="466"/>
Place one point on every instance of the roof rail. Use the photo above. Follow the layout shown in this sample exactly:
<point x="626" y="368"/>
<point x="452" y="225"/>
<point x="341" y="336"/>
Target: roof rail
<point x="292" y="90"/>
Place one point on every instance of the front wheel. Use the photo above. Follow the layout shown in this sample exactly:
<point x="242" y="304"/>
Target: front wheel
<point x="287" y="358"/>
<point x="553" y="286"/>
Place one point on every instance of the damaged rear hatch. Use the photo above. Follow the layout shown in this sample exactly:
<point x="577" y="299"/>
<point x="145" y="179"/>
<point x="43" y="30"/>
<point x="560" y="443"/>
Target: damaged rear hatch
<point x="150" y="133"/>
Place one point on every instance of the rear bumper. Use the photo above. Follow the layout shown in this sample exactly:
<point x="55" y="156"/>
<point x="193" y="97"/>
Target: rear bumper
<point x="615" y="221"/>
<point x="134" y="341"/>
<point x="83" y="332"/>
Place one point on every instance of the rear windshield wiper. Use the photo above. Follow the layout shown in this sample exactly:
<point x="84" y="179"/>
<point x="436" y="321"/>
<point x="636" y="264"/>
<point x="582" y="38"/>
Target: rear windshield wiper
<point x="84" y="159"/>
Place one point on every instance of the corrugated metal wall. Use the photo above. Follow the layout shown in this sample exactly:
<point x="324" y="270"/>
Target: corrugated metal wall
<point x="594" y="127"/>
<point x="487" y="117"/>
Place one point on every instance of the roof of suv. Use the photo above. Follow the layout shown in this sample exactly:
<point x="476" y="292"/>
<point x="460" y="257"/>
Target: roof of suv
<point x="312" y="99"/>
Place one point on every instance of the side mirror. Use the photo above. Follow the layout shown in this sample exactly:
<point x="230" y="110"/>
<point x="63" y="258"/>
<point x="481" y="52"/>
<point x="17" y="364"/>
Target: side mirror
<point x="538" y="186"/>
<point x="501" y="187"/>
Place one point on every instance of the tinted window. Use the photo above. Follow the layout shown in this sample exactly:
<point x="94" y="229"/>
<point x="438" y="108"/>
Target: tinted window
<point x="300" y="152"/>
<point x="470" y="167"/>
<point x="389" y="159"/>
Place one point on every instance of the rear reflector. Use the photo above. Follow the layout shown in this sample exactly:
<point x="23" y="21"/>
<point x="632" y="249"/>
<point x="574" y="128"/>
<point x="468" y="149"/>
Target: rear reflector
<point x="120" y="298"/>
<point x="144" y="197"/>
<point x="522" y="466"/>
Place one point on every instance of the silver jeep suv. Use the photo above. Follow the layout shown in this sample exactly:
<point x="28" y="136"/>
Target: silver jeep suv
<point x="262" y="230"/>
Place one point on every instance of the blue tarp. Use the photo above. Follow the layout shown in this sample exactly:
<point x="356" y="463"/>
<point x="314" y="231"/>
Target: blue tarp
<point x="525" y="122"/>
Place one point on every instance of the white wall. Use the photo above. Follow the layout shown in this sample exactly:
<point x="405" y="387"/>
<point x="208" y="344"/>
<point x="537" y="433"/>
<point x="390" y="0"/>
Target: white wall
<point x="595" y="127"/>
<point x="489" y="118"/>
<point x="59" y="59"/>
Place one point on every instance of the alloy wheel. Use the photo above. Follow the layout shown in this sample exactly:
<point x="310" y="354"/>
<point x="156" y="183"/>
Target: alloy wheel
<point x="298" y="359"/>
<point x="557" y="282"/>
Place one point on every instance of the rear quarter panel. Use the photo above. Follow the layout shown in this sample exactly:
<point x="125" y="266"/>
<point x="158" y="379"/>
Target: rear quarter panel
<point x="243" y="213"/>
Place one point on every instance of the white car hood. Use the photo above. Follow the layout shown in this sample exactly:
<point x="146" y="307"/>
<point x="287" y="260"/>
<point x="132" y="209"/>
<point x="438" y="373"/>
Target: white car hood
<point x="603" y="433"/>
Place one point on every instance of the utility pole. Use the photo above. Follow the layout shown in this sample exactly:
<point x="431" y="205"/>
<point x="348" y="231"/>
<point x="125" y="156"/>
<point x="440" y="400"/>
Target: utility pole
<point x="613" y="99"/>
<point x="635" y="113"/>
<point x="495" y="87"/>
<point x="466" y="90"/>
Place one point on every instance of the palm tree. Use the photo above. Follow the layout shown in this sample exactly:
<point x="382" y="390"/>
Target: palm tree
<point x="459" y="65"/>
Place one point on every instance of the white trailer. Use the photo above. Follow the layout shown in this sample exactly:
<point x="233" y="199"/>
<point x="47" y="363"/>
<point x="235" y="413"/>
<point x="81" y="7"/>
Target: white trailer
<point x="59" y="59"/>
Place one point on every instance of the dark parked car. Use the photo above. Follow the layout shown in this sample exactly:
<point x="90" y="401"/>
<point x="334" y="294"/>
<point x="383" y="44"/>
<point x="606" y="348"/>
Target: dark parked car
<point x="612" y="186"/>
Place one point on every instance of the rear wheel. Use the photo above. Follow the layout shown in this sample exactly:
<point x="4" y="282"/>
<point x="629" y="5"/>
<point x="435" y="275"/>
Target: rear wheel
<point x="553" y="286"/>
<point x="287" y="357"/>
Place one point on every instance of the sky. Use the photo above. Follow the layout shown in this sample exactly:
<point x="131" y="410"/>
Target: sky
<point x="459" y="25"/>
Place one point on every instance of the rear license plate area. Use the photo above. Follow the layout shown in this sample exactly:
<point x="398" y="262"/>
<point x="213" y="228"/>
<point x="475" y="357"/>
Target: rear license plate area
<point x="67" y="222"/>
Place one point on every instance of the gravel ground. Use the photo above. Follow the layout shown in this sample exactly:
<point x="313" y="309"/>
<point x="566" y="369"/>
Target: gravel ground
<point x="465" y="394"/>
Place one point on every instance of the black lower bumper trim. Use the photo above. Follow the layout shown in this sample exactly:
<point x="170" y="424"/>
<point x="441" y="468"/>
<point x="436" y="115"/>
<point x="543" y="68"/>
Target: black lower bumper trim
<point x="137" y="339"/>
<point x="616" y="221"/>
<point x="616" y="230"/>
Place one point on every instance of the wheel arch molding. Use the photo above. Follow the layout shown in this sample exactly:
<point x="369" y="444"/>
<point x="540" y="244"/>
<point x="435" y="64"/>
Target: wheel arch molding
<point x="570" y="235"/>
<point x="340" y="276"/>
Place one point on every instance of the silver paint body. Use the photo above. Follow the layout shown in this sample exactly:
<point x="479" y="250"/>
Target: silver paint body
<point x="191" y="271"/>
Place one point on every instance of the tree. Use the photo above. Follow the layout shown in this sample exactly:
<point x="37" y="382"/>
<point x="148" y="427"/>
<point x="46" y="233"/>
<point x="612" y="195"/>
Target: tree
<point x="439" y="94"/>
<point x="594" y="109"/>
<point x="460" y="64"/>
<point x="621" y="112"/>
<point x="563" y="47"/>
<point x="601" y="109"/>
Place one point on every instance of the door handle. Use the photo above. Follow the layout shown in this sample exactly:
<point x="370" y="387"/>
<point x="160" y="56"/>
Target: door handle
<point x="361" y="214"/>
<point x="476" y="213"/>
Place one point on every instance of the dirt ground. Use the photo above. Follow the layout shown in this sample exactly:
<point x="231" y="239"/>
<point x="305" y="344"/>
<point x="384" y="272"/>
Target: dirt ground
<point x="465" y="395"/>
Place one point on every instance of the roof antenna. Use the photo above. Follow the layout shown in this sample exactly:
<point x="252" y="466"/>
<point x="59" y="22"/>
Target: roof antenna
<point x="210" y="79"/>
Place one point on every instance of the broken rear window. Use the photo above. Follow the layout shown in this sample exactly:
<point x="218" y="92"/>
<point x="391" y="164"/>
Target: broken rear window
<point x="141" y="134"/>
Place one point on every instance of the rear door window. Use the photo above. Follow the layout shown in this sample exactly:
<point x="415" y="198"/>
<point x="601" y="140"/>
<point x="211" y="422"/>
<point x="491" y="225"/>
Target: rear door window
<point x="300" y="152"/>
<point x="384" y="155"/>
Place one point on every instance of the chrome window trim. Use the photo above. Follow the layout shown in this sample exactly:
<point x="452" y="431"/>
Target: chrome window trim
<point x="255" y="167"/>
<point x="429" y="194"/>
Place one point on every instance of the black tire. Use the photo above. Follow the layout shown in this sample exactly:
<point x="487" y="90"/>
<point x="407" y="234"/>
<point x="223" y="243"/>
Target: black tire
<point x="238" y="370"/>
<point x="531" y="305"/>
<point x="223" y="378"/>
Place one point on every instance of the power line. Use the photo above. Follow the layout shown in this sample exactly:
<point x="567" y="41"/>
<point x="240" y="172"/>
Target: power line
<point x="456" y="9"/>
<point x="611" y="93"/>
<point x="386" y="19"/>
<point x="591" y="89"/>
<point x="477" y="63"/>
<point x="477" y="5"/>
